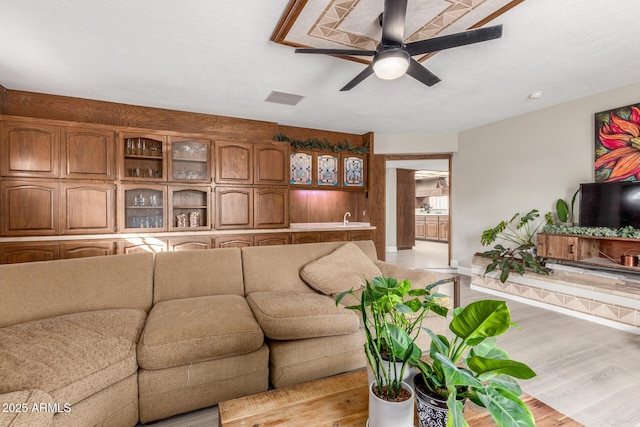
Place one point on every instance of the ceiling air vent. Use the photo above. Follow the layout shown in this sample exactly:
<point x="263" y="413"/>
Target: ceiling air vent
<point x="283" y="98"/>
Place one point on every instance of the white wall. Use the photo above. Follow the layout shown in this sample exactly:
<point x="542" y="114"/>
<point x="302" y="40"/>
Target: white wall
<point x="523" y="163"/>
<point x="416" y="143"/>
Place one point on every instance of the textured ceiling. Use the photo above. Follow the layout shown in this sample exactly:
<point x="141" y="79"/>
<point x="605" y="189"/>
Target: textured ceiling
<point x="216" y="57"/>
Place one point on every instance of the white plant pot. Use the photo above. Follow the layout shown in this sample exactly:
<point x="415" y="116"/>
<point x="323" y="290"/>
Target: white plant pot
<point x="390" y="414"/>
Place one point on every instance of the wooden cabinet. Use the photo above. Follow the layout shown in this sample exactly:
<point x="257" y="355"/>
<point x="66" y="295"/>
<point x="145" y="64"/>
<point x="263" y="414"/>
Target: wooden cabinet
<point x="190" y="159"/>
<point x="302" y="169"/>
<point x="189" y="243"/>
<point x="87" y="153"/>
<point x="234" y="207"/>
<point x="233" y="162"/>
<point x="271" y="207"/>
<point x="29" y="149"/>
<point x="306" y="237"/>
<point x="87" y="208"/>
<point x="360" y="235"/>
<point x="334" y="236"/>
<point x="13" y="253"/>
<point x="421" y="231"/>
<point x="143" y="156"/>
<point x="142" y="208"/>
<point x="354" y="171"/>
<point x="443" y="229"/>
<point x="270" y="163"/>
<point x="239" y="241"/>
<point x="271" y="239"/>
<point x="29" y="208"/>
<point x="431" y="228"/>
<point x="88" y="248"/>
<point x="141" y="245"/>
<point x="575" y="248"/>
<point x="189" y="208"/>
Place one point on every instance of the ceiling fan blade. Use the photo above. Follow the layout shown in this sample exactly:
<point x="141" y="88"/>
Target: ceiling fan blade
<point x="418" y="72"/>
<point x="356" y="52"/>
<point x="393" y="18"/>
<point x="454" y="40"/>
<point x="357" y="79"/>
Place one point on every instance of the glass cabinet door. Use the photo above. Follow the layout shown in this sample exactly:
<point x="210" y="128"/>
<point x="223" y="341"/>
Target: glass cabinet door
<point x="354" y="171"/>
<point x="328" y="171"/>
<point x="190" y="160"/>
<point x="144" y="208"/>
<point x="143" y="157"/>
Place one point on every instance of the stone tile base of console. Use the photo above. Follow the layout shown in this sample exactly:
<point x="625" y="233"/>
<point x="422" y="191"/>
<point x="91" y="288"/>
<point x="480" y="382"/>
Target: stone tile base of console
<point x="602" y="299"/>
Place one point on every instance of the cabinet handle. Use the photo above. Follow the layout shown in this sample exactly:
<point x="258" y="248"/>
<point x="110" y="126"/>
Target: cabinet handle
<point x="571" y="248"/>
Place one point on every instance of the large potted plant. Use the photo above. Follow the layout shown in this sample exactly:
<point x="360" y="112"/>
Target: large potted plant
<point x="392" y="314"/>
<point x="519" y="230"/>
<point x="470" y="366"/>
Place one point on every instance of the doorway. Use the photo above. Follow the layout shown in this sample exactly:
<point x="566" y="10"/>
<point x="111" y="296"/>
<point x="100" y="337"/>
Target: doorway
<point x="418" y="224"/>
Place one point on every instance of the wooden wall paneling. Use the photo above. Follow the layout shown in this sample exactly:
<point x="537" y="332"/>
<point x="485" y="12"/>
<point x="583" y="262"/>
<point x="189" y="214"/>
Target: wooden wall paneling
<point x="87" y="208"/>
<point x="12" y="253"/>
<point x="29" y="208"/>
<point x="87" y="153"/>
<point x="405" y="211"/>
<point x="4" y="100"/>
<point x="333" y="137"/>
<point x="88" y="248"/>
<point x="298" y="206"/>
<point x="31" y="104"/>
<point x="29" y="149"/>
<point x="377" y="202"/>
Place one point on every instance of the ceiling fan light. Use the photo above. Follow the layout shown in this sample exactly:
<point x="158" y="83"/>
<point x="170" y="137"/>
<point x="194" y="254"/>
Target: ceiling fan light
<point x="389" y="65"/>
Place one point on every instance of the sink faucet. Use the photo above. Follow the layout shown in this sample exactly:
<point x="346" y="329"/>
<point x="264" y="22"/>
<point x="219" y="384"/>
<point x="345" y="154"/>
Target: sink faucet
<point x="345" y="221"/>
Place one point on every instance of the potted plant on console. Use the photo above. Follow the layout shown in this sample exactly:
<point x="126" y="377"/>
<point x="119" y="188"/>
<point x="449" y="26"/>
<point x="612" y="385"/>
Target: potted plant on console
<point x="470" y="366"/>
<point x="392" y="314"/>
<point x="519" y="230"/>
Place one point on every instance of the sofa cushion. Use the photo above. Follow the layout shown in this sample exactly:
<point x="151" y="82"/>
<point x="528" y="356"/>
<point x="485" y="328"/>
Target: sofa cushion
<point x="27" y="408"/>
<point x="183" y="331"/>
<point x="300" y="315"/>
<point x="345" y="268"/>
<point x="73" y="356"/>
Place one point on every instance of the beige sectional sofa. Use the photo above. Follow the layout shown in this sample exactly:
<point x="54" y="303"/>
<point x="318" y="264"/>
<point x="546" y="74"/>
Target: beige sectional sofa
<point x="114" y="340"/>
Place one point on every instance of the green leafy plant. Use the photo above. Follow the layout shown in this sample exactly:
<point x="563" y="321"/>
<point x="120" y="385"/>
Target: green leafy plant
<point x="392" y="314"/>
<point x="519" y="230"/>
<point x="471" y="366"/>
<point x="315" y="143"/>
<point x="563" y="212"/>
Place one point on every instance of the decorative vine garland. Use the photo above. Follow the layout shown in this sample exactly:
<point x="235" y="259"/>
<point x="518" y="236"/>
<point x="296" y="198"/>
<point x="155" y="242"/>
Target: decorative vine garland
<point x="628" y="232"/>
<point x="322" y="145"/>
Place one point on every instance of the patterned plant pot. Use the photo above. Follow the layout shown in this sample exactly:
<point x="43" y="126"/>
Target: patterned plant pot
<point x="432" y="412"/>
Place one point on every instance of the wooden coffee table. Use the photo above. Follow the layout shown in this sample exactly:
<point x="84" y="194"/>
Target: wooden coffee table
<point x="341" y="401"/>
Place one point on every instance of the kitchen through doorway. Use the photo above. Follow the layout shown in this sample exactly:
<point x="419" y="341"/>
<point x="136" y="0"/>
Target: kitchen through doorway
<point x="418" y="213"/>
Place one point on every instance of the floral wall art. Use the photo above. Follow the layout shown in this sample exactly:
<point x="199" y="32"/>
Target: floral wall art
<point x="617" y="154"/>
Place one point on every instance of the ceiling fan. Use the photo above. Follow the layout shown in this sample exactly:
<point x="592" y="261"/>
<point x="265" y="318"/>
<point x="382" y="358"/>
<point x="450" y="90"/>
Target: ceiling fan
<point x="392" y="58"/>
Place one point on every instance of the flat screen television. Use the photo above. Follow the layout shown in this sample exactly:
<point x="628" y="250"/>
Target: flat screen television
<point x="610" y="204"/>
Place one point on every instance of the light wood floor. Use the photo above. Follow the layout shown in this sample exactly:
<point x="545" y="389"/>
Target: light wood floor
<point x="585" y="370"/>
